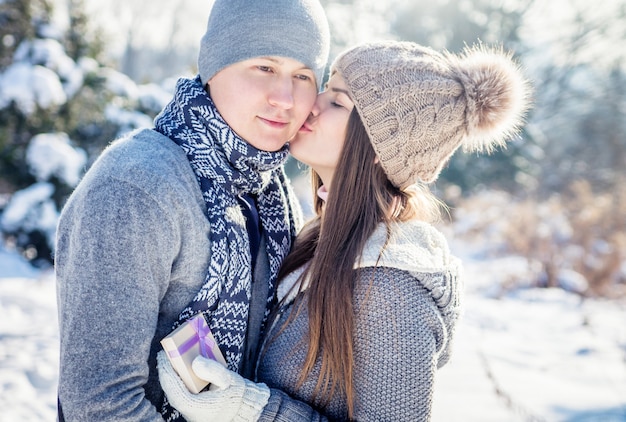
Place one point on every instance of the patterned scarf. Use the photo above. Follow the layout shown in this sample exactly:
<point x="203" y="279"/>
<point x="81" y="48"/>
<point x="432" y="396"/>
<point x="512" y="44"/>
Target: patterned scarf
<point x="227" y="167"/>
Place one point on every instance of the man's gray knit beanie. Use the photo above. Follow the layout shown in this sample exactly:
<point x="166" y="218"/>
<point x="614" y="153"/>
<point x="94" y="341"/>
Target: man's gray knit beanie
<point x="243" y="29"/>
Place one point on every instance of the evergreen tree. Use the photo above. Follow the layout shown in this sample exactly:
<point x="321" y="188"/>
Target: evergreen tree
<point x="33" y="46"/>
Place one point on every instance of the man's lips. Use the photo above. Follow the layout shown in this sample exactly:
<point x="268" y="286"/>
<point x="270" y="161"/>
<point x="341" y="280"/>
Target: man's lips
<point x="279" y="124"/>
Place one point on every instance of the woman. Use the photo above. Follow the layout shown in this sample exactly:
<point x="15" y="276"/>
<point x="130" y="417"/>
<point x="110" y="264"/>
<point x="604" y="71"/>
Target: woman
<point x="369" y="297"/>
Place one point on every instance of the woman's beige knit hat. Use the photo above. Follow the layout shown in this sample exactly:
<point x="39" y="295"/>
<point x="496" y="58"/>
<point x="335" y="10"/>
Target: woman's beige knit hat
<point x="418" y="106"/>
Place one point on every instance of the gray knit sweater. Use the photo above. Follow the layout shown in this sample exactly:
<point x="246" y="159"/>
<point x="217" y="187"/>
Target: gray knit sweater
<point x="406" y="312"/>
<point x="132" y="251"/>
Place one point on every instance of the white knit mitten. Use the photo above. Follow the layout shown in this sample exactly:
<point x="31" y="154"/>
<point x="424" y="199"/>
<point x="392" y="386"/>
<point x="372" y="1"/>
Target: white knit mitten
<point x="230" y="397"/>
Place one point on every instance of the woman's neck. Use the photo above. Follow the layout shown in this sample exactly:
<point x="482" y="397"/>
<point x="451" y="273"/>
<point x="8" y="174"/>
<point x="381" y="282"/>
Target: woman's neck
<point x="326" y="176"/>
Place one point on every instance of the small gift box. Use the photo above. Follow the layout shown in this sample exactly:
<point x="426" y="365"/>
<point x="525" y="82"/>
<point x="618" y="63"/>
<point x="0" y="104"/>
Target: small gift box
<point x="191" y="339"/>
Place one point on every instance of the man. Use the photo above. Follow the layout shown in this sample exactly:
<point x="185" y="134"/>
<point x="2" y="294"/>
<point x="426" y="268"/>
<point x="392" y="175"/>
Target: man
<point x="193" y="216"/>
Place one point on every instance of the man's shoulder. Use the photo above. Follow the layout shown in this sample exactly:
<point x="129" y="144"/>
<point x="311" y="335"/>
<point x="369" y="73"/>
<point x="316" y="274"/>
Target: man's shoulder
<point x="145" y="160"/>
<point x="143" y="144"/>
<point x="143" y="155"/>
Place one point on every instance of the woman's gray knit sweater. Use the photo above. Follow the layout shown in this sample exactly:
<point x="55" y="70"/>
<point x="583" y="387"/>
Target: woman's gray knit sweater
<point x="406" y="311"/>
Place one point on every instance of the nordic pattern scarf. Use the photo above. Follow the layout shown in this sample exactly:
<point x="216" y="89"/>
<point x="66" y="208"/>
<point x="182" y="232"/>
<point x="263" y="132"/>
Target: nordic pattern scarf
<point x="227" y="167"/>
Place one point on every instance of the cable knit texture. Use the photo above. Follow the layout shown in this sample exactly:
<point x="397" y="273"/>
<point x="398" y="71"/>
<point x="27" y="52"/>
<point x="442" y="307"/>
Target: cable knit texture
<point x="406" y="313"/>
<point x="418" y="105"/>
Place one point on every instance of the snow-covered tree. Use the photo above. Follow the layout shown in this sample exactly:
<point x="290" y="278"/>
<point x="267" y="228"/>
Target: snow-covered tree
<point x="59" y="107"/>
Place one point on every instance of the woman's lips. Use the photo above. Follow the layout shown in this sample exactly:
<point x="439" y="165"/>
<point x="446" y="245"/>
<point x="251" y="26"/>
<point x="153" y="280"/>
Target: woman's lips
<point x="305" y="128"/>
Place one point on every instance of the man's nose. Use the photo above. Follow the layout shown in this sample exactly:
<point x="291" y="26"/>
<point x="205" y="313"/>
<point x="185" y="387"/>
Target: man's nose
<point x="281" y="94"/>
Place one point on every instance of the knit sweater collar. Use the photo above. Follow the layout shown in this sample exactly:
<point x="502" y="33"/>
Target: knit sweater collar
<point x="414" y="246"/>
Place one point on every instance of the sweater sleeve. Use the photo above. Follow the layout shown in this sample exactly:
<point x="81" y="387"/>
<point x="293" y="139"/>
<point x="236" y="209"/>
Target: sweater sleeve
<point x="283" y="408"/>
<point x="113" y="268"/>
<point x="399" y="337"/>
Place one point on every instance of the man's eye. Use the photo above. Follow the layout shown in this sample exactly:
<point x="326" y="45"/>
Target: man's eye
<point x="303" y="77"/>
<point x="264" y="68"/>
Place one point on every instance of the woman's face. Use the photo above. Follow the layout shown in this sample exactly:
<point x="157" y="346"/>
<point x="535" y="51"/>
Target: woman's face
<point x="320" y="140"/>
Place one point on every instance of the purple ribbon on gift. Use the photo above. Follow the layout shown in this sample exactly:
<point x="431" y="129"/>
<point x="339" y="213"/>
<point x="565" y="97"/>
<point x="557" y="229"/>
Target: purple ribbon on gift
<point x="202" y="335"/>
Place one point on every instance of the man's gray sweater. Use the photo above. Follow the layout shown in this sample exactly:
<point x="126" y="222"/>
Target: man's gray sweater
<point x="132" y="251"/>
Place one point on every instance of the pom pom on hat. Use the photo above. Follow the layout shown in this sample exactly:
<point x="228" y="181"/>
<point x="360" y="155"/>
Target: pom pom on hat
<point x="419" y="106"/>
<point x="497" y="96"/>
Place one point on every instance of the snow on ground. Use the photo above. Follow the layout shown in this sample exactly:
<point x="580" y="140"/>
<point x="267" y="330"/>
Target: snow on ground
<point x="29" y="340"/>
<point x="533" y="355"/>
<point x="529" y="355"/>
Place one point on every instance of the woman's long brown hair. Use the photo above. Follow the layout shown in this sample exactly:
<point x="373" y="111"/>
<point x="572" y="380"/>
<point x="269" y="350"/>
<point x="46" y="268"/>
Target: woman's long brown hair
<point x="360" y="199"/>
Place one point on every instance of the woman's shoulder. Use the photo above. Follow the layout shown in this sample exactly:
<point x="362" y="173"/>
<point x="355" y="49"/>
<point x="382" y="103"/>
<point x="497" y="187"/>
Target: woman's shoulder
<point x="413" y="246"/>
<point x="413" y="256"/>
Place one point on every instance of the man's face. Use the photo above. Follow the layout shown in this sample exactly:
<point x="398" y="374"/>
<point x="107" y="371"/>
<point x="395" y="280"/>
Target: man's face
<point x="265" y="100"/>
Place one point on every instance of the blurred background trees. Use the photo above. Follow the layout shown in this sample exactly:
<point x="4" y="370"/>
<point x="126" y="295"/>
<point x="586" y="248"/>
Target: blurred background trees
<point x="122" y="59"/>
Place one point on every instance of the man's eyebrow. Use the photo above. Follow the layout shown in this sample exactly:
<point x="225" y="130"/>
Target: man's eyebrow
<point x="271" y="59"/>
<point x="278" y="60"/>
